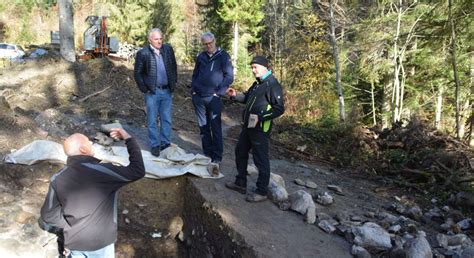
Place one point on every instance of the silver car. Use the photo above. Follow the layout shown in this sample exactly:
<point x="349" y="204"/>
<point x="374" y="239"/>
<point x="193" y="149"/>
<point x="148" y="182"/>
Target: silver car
<point x="11" y="51"/>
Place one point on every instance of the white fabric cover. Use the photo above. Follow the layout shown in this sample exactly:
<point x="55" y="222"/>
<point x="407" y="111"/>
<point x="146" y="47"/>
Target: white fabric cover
<point x="173" y="161"/>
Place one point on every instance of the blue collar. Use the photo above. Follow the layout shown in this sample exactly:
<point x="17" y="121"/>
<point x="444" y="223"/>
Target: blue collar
<point x="265" y="75"/>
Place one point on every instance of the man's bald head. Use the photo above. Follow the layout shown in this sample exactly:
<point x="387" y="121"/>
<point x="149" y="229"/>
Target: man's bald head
<point x="78" y="144"/>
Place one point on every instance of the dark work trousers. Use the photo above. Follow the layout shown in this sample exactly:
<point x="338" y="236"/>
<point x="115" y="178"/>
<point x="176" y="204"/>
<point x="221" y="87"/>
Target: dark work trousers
<point x="208" y="112"/>
<point x="257" y="141"/>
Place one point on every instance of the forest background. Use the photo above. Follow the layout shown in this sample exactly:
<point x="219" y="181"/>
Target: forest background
<point x="344" y="65"/>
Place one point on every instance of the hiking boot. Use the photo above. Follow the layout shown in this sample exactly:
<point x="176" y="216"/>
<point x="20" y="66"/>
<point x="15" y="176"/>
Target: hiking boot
<point x="255" y="197"/>
<point x="155" y="151"/>
<point x="164" y="146"/>
<point x="237" y="188"/>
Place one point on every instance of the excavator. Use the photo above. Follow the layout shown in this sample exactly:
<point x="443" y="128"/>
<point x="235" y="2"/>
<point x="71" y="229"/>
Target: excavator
<point x="97" y="43"/>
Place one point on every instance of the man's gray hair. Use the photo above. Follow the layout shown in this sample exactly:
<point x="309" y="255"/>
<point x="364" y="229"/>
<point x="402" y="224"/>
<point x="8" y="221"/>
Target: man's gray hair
<point x="154" y="30"/>
<point x="207" y="35"/>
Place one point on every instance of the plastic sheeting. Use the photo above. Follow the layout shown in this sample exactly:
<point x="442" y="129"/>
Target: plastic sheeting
<point x="173" y="161"/>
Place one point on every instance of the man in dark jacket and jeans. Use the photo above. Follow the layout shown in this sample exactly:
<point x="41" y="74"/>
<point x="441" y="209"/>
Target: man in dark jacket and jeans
<point x="263" y="103"/>
<point x="82" y="197"/>
<point x="156" y="75"/>
<point x="212" y="76"/>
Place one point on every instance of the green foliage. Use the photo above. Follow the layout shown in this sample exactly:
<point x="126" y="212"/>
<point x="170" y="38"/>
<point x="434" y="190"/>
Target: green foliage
<point x="26" y="35"/>
<point x="308" y="69"/>
<point x="129" y="21"/>
<point x="42" y="4"/>
<point x="247" y="13"/>
<point x="162" y="17"/>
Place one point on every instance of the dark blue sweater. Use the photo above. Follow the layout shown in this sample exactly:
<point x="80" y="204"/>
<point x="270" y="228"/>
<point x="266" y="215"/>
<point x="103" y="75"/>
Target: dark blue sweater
<point x="212" y="75"/>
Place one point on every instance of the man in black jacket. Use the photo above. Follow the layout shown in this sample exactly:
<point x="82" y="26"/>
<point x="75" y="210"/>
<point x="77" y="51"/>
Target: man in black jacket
<point x="212" y="76"/>
<point x="82" y="197"/>
<point x="156" y="76"/>
<point x="263" y="103"/>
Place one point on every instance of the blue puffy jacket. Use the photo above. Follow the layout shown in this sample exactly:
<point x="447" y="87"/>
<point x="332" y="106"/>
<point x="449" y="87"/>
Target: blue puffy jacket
<point x="212" y="75"/>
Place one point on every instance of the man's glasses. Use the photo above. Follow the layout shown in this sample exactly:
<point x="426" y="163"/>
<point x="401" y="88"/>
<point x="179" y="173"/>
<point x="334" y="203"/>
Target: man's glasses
<point x="207" y="43"/>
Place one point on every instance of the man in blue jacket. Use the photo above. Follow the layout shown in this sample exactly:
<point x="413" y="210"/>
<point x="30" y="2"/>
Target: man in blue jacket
<point x="156" y="75"/>
<point x="212" y="76"/>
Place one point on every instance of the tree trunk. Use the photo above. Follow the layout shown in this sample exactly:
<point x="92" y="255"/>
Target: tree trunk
<point x="396" y="72"/>
<point x="439" y="107"/>
<point x="66" y="30"/>
<point x="342" y="115"/>
<point x="471" y="117"/>
<point x="235" y="46"/>
<point x="386" y="101"/>
<point x="455" y="71"/>
<point x="374" y="113"/>
<point x="464" y="118"/>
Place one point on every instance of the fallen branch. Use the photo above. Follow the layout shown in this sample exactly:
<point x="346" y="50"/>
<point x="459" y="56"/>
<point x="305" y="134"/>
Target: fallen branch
<point x="465" y="180"/>
<point x="444" y="167"/>
<point x="94" y="94"/>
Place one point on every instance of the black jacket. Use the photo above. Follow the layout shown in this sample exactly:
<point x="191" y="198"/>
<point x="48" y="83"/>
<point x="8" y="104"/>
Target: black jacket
<point x="145" y="68"/>
<point x="265" y="99"/>
<point x="82" y="198"/>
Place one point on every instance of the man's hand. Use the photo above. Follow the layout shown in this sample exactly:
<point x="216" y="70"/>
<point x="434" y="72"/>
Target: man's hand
<point x="119" y="134"/>
<point x="231" y="92"/>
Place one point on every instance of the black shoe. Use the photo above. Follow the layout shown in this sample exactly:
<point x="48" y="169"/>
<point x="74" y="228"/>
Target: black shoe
<point x="255" y="197"/>
<point x="155" y="151"/>
<point x="237" y="188"/>
<point x="164" y="146"/>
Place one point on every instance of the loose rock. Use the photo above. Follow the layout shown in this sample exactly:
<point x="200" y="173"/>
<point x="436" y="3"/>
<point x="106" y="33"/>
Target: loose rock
<point x="300" y="182"/>
<point x="465" y="224"/>
<point x="372" y="236"/>
<point x="418" y="248"/>
<point x="326" y="226"/>
<point x="336" y="189"/>
<point x="360" y="252"/>
<point x="311" y="184"/>
<point x="252" y="169"/>
<point x="414" y="212"/>
<point x="457" y="239"/>
<point x="325" y="199"/>
<point x="276" y="189"/>
<point x="439" y="240"/>
<point x="394" y="228"/>
<point x="302" y="202"/>
<point x="468" y="252"/>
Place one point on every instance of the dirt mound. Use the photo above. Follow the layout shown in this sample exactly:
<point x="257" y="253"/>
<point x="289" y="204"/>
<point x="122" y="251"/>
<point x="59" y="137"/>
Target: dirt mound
<point x="419" y="154"/>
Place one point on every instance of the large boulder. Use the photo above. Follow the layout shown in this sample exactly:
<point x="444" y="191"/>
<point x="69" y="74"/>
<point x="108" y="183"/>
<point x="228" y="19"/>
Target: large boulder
<point x="302" y="202"/>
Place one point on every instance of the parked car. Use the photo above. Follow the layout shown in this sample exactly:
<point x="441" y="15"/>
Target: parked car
<point x="11" y="51"/>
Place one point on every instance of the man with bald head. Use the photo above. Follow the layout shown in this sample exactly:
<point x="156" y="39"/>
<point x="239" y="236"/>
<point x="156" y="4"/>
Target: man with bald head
<point x="82" y="198"/>
<point x="156" y="75"/>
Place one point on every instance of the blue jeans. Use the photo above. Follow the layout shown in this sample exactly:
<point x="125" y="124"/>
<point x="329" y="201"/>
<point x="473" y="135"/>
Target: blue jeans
<point x="159" y="104"/>
<point x="106" y="252"/>
<point x="208" y="112"/>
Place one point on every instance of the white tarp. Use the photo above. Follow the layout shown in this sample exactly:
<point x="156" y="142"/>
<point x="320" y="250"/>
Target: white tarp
<point x="173" y="161"/>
